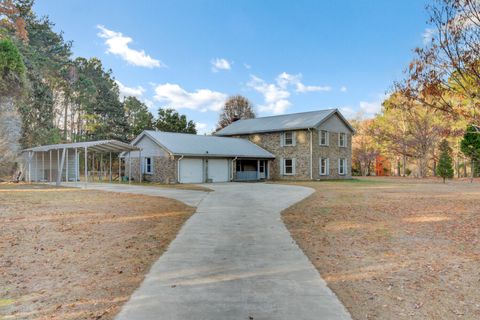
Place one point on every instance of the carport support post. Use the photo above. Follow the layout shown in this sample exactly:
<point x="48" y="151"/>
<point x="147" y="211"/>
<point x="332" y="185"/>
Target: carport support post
<point x="119" y="169"/>
<point x="50" y="159"/>
<point x="43" y="166"/>
<point x="110" y="166"/>
<point x="60" y="169"/>
<point x="86" y="167"/>
<point x="101" y="168"/>
<point x="76" y="165"/>
<point x="66" y="170"/>
<point x="30" y="166"/>
<point x="129" y="168"/>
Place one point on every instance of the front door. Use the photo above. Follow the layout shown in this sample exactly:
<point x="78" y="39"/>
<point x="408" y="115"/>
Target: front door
<point x="261" y="169"/>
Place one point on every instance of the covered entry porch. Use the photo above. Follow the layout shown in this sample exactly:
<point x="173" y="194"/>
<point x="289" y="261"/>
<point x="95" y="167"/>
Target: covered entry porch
<point x="251" y="170"/>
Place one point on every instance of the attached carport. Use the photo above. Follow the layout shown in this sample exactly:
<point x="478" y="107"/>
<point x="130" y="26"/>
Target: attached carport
<point x="61" y="162"/>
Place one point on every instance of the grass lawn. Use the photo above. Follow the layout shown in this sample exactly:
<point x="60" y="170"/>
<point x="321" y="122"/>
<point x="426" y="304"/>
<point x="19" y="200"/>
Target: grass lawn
<point x="394" y="248"/>
<point x="78" y="254"/>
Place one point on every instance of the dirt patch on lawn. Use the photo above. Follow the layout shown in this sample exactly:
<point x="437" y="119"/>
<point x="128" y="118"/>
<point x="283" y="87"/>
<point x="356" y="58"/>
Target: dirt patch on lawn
<point x="394" y="248"/>
<point x="78" y="254"/>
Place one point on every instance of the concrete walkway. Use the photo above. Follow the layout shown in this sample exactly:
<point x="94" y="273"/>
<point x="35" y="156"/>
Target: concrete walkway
<point x="233" y="259"/>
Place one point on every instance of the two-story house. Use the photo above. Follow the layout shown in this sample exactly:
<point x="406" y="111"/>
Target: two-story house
<point x="301" y="146"/>
<point x="307" y="146"/>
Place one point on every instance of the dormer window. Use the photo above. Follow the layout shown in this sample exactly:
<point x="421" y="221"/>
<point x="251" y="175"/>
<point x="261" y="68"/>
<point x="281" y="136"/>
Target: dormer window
<point x="324" y="138"/>
<point x="342" y="138"/>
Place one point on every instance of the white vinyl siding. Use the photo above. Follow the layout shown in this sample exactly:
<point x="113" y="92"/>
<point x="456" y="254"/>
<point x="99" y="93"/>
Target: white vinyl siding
<point x="288" y="166"/>
<point x="287" y="138"/>
<point x="324" y="166"/>
<point x="342" y="139"/>
<point x="148" y="166"/>
<point x="324" y="138"/>
<point x="342" y="166"/>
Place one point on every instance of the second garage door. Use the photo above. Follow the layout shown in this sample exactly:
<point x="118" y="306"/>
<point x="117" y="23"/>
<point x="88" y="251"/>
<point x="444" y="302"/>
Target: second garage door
<point x="218" y="170"/>
<point x="191" y="171"/>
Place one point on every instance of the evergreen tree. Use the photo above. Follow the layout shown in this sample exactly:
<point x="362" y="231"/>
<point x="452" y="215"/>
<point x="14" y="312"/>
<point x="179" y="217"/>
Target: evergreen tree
<point x="171" y="121"/>
<point x="444" y="167"/>
<point x="470" y="145"/>
<point x="138" y="117"/>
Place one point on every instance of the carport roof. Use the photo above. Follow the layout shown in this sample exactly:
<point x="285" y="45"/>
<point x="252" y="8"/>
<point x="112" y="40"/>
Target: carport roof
<point x="183" y="144"/>
<point x="98" y="146"/>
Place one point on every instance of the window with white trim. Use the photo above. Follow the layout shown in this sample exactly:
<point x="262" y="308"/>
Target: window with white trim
<point x="288" y="166"/>
<point x="323" y="138"/>
<point x="288" y="137"/>
<point x="324" y="167"/>
<point x="148" y="166"/>
<point x="342" y="139"/>
<point x="342" y="166"/>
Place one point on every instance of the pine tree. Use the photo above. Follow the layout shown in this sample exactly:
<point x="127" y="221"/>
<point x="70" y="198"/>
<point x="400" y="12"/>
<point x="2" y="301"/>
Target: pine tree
<point x="445" y="168"/>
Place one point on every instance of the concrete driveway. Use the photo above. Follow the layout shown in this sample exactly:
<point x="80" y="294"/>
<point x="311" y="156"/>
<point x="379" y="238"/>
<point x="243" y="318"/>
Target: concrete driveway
<point x="233" y="259"/>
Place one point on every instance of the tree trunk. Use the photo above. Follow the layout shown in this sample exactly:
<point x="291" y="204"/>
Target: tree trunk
<point x="404" y="166"/>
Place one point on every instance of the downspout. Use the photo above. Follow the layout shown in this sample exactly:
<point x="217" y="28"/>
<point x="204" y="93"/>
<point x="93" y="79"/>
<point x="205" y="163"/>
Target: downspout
<point x="178" y="168"/>
<point x="233" y="161"/>
<point x="311" y="153"/>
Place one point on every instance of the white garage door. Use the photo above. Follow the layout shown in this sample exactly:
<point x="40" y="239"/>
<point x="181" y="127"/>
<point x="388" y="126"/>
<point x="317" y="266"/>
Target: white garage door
<point x="218" y="170"/>
<point x="191" y="170"/>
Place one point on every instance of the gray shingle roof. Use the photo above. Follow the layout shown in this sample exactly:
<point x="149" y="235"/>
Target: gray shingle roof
<point x="293" y="121"/>
<point x="197" y="145"/>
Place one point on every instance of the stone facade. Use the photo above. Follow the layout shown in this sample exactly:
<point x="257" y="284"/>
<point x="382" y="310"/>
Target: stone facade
<point x="271" y="142"/>
<point x="164" y="170"/>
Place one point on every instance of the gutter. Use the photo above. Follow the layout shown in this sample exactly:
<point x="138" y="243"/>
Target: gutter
<point x="178" y="168"/>
<point x="311" y="154"/>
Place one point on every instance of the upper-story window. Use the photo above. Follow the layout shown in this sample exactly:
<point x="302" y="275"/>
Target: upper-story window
<point x="148" y="165"/>
<point x="288" y="138"/>
<point x="342" y="139"/>
<point x="324" y="138"/>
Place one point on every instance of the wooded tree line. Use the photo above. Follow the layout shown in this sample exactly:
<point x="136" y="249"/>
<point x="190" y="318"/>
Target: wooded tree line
<point x="435" y="109"/>
<point x="47" y="96"/>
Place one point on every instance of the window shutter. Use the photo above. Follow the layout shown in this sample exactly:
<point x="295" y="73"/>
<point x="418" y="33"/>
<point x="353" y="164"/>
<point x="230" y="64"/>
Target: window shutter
<point x="294" y="138"/>
<point x="294" y="164"/>
<point x="320" y="166"/>
<point x="151" y="165"/>
<point x="338" y="166"/>
<point x="328" y="167"/>
<point x="282" y="139"/>
<point x="142" y="165"/>
<point x="282" y="164"/>
<point x="346" y="166"/>
<point x="327" y="137"/>
<point x="339" y="134"/>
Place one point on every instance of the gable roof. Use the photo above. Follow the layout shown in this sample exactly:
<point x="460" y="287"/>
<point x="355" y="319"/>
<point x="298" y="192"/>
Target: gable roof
<point x="293" y="121"/>
<point x="197" y="145"/>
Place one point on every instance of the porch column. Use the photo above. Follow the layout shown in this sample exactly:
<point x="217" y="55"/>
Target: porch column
<point x="30" y="155"/>
<point x="100" y="177"/>
<point x="119" y="169"/>
<point x="58" y="165"/>
<point x="258" y="169"/>
<point x="110" y="167"/>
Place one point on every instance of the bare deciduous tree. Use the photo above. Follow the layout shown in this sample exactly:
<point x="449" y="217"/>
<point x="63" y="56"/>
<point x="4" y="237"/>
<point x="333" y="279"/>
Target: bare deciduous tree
<point x="236" y="107"/>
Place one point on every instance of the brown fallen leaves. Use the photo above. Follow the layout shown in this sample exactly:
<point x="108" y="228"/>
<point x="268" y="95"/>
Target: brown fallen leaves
<point x="74" y="254"/>
<point x="394" y="248"/>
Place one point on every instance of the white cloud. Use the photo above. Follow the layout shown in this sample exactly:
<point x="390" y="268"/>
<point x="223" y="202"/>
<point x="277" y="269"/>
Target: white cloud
<point x="428" y="35"/>
<point x="247" y="66"/>
<point x="130" y="91"/>
<point x="371" y="107"/>
<point x="117" y="44"/>
<point x="276" y="94"/>
<point x="348" y="112"/>
<point x="172" y="95"/>
<point x="284" y="79"/>
<point x="343" y="89"/>
<point x="203" y="128"/>
<point x="220" y="64"/>
<point x="275" y="97"/>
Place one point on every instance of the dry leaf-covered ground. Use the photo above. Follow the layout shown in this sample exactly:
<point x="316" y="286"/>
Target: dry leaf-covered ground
<point x="78" y="254"/>
<point x="395" y="248"/>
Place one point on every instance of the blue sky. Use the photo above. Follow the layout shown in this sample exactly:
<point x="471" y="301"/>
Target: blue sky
<point x="285" y="56"/>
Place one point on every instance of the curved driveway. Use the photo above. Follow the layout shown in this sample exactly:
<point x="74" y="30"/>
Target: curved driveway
<point x="233" y="259"/>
